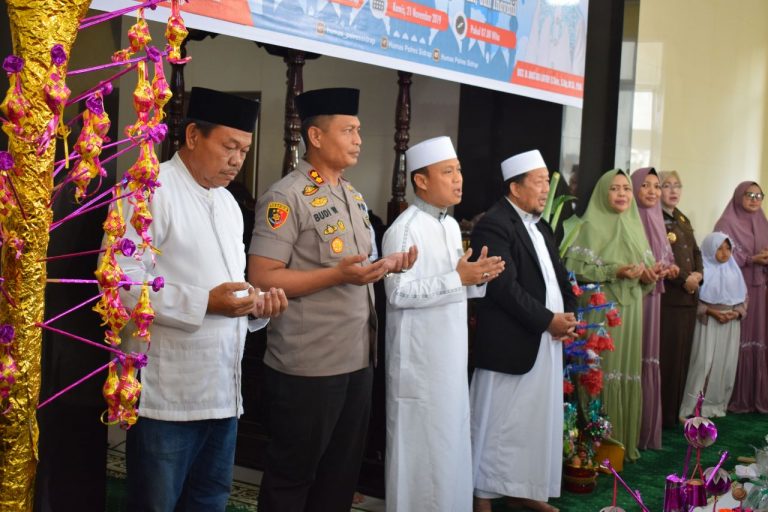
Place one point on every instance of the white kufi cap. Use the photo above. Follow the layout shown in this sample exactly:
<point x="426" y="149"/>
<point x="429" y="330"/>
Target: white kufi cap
<point x="429" y="152"/>
<point x="521" y="164"/>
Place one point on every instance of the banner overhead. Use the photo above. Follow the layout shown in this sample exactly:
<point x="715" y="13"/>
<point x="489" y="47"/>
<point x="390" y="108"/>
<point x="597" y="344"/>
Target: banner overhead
<point x="533" y="48"/>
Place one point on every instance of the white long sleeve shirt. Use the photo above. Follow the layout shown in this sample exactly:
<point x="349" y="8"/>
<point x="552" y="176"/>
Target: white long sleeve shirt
<point x="193" y="369"/>
<point x="429" y="463"/>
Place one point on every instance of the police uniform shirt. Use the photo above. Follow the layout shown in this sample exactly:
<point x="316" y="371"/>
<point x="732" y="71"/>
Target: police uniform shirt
<point x="308" y="224"/>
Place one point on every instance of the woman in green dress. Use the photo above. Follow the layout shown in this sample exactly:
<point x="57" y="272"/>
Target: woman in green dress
<point x="611" y="249"/>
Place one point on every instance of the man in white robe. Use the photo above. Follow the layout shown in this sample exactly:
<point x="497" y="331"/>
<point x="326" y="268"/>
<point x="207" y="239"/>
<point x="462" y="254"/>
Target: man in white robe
<point x="517" y="389"/>
<point x="180" y="453"/>
<point x="428" y="462"/>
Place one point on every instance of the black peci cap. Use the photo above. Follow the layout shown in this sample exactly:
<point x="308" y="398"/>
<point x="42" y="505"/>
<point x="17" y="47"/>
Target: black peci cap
<point x="328" y="102"/>
<point x="222" y="108"/>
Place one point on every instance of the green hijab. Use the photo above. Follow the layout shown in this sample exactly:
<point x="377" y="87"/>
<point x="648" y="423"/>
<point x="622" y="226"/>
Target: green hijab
<point x="609" y="238"/>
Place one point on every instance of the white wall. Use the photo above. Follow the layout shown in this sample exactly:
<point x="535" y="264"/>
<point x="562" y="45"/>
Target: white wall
<point x="706" y="64"/>
<point x="232" y="64"/>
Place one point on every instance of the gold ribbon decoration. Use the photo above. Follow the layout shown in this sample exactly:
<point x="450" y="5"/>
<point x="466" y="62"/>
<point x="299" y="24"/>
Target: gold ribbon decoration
<point x="36" y="26"/>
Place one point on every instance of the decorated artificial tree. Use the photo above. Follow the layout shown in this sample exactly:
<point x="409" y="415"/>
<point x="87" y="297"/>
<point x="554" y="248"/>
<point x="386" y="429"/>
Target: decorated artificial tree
<point x="585" y="425"/>
<point x="33" y="117"/>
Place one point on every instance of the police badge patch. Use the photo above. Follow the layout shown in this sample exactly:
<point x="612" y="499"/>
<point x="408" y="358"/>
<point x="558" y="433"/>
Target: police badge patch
<point x="330" y="229"/>
<point x="310" y="189"/>
<point x="315" y="176"/>
<point x="319" y="201"/>
<point x="277" y="214"/>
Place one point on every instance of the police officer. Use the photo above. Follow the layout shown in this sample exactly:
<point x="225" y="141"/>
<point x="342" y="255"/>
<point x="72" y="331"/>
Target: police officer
<point x="312" y="236"/>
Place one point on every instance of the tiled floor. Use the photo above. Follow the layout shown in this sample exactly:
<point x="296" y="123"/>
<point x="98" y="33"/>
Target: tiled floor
<point x="245" y="487"/>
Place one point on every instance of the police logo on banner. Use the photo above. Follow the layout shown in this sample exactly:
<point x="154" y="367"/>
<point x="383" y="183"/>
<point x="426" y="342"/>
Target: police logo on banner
<point x="277" y="214"/>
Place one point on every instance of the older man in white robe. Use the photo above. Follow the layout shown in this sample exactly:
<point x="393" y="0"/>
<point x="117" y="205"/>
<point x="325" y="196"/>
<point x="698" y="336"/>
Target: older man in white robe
<point x="428" y="463"/>
<point x="517" y="391"/>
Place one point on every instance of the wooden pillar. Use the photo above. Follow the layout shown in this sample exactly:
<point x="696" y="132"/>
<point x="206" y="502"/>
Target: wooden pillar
<point x="175" y="107"/>
<point x="402" y="126"/>
<point x="294" y="60"/>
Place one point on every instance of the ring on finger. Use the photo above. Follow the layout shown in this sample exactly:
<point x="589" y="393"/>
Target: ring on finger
<point x="486" y="275"/>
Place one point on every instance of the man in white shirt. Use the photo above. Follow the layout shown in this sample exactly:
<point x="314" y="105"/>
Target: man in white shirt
<point x="181" y="451"/>
<point x="428" y="463"/>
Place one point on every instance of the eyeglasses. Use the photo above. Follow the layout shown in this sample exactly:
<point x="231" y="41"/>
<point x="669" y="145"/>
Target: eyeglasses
<point x="669" y="186"/>
<point x="755" y="196"/>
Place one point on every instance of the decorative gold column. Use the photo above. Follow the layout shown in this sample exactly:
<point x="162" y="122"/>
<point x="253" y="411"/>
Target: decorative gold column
<point x="36" y="26"/>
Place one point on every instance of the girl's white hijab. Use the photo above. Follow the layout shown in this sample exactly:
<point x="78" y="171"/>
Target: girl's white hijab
<point x="723" y="282"/>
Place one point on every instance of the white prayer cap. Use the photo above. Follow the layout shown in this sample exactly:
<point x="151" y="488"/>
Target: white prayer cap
<point x="522" y="163"/>
<point x="429" y="152"/>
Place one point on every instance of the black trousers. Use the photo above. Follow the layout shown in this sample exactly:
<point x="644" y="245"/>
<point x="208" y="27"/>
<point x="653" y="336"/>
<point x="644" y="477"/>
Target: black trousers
<point x="71" y="473"/>
<point x="318" y="428"/>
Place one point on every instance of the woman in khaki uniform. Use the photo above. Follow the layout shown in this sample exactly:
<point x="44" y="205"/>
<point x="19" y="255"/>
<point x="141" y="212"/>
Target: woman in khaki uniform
<point x="678" y="304"/>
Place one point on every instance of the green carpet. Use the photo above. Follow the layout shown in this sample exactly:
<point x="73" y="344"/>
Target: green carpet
<point x="737" y="433"/>
<point x="242" y="498"/>
<point x="116" y="497"/>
